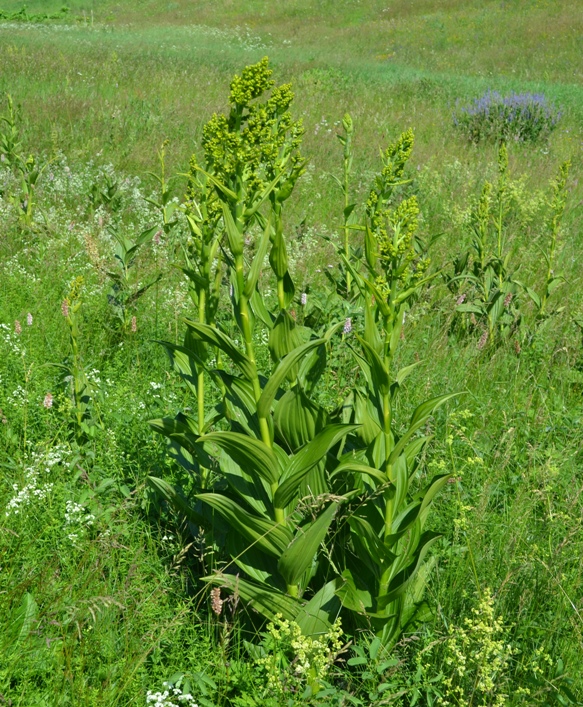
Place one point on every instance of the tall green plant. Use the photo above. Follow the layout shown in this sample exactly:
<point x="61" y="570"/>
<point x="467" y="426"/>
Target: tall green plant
<point x="383" y="558"/>
<point x="84" y="413"/>
<point x="491" y="302"/>
<point x="275" y="509"/>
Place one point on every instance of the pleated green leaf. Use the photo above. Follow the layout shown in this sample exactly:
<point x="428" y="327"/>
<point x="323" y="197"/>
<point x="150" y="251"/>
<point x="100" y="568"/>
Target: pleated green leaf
<point x="306" y="459"/>
<point x="251" y="454"/>
<point x="300" y="553"/>
<point x="261" y="532"/>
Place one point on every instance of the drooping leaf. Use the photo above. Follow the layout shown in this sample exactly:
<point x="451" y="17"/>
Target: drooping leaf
<point x="266" y="600"/>
<point x="263" y="533"/>
<point x="215" y="337"/>
<point x="420" y="416"/>
<point x="249" y="453"/>
<point x="316" y="617"/>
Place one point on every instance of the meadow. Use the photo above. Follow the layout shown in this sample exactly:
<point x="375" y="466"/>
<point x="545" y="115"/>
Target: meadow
<point x="392" y="324"/>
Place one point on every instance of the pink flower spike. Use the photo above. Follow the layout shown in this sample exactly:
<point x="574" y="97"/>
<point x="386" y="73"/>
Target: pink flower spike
<point x="134" y="325"/>
<point x="29" y="319"/>
<point x="17" y="327"/>
<point x="48" y="401"/>
<point x="65" y="308"/>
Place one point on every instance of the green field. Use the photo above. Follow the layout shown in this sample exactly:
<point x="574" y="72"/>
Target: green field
<point x="102" y="596"/>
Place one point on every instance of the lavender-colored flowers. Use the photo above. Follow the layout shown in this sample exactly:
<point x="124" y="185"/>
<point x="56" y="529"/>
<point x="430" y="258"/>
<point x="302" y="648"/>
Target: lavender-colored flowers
<point x="521" y="117"/>
<point x="347" y="326"/>
<point x="48" y="401"/>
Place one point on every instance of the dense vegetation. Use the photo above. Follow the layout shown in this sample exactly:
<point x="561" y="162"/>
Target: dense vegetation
<point x="283" y="421"/>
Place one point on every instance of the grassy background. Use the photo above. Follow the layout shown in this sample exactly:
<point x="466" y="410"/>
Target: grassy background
<point x="107" y="87"/>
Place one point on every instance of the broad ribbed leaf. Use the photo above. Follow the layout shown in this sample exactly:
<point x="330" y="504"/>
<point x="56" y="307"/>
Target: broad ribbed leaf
<point x="280" y="374"/>
<point x="437" y="483"/>
<point x="278" y="254"/>
<point x="371" y="542"/>
<point x="264" y="599"/>
<point x="251" y="454"/>
<point x="257" y="264"/>
<point x="300" y="554"/>
<point x="21" y="623"/>
<point x="316" y="617"/>
<point x="306" y="459"/>
<point x="400" y="581"/>
<point x="297" y="418"/>
<point x="366" y="415"/>
<point x="405" y="372"/>
<point x="234" y="235"/>
<point x="285" y="337"/>
<point x="354" y="599"/>
<point x="360" y="469"/>
<point x="215" y="337"/>
<point x="379" y="372"/>
<point x="261" y="532"/>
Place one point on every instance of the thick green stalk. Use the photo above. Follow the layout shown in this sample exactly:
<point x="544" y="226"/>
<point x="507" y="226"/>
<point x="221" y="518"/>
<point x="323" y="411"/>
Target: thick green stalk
<point x="200" y="384"/>
<point x="346" y="229"/>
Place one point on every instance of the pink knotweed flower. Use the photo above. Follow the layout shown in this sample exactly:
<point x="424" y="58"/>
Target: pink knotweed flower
<point x="303" y="299"/>
<point x="347" y="326"/>
<point x="29" y="319"/>
<point x="48" y="401"/>
<point x="508" y="300"/>
<point x="460" y="300"/>
<point x="65" y="308"/>
<point x="483" y="340"/>
<point x="158" y="237"/>
<point x="134" y="324"/>
<point x="17" y="327"/>
<point x="216" y="601"/>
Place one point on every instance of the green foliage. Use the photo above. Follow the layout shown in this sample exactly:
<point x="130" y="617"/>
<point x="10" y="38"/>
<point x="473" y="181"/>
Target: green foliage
<point x="101" y="596"/>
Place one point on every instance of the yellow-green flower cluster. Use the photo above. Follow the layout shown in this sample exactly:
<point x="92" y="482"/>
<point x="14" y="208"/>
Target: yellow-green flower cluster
<point x="258" y="140"/>
<point x="478" y="654"/>
<point x="254" y="80"/>
<point x="294" y="660"/>
<point x="395" y="159"/>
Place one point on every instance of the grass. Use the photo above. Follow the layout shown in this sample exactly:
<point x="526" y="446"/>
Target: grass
<point x="121" y="608"/>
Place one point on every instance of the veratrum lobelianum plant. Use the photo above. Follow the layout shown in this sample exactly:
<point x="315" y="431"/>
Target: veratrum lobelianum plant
<point x="271" y="484"/>
<point x="490" y="297"/>
<point x="383" y="554"/>
<point x="271" y="505"/>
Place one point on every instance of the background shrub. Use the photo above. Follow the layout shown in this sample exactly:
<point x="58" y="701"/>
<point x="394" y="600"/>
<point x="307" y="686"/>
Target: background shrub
<point x="523" y="117"/>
